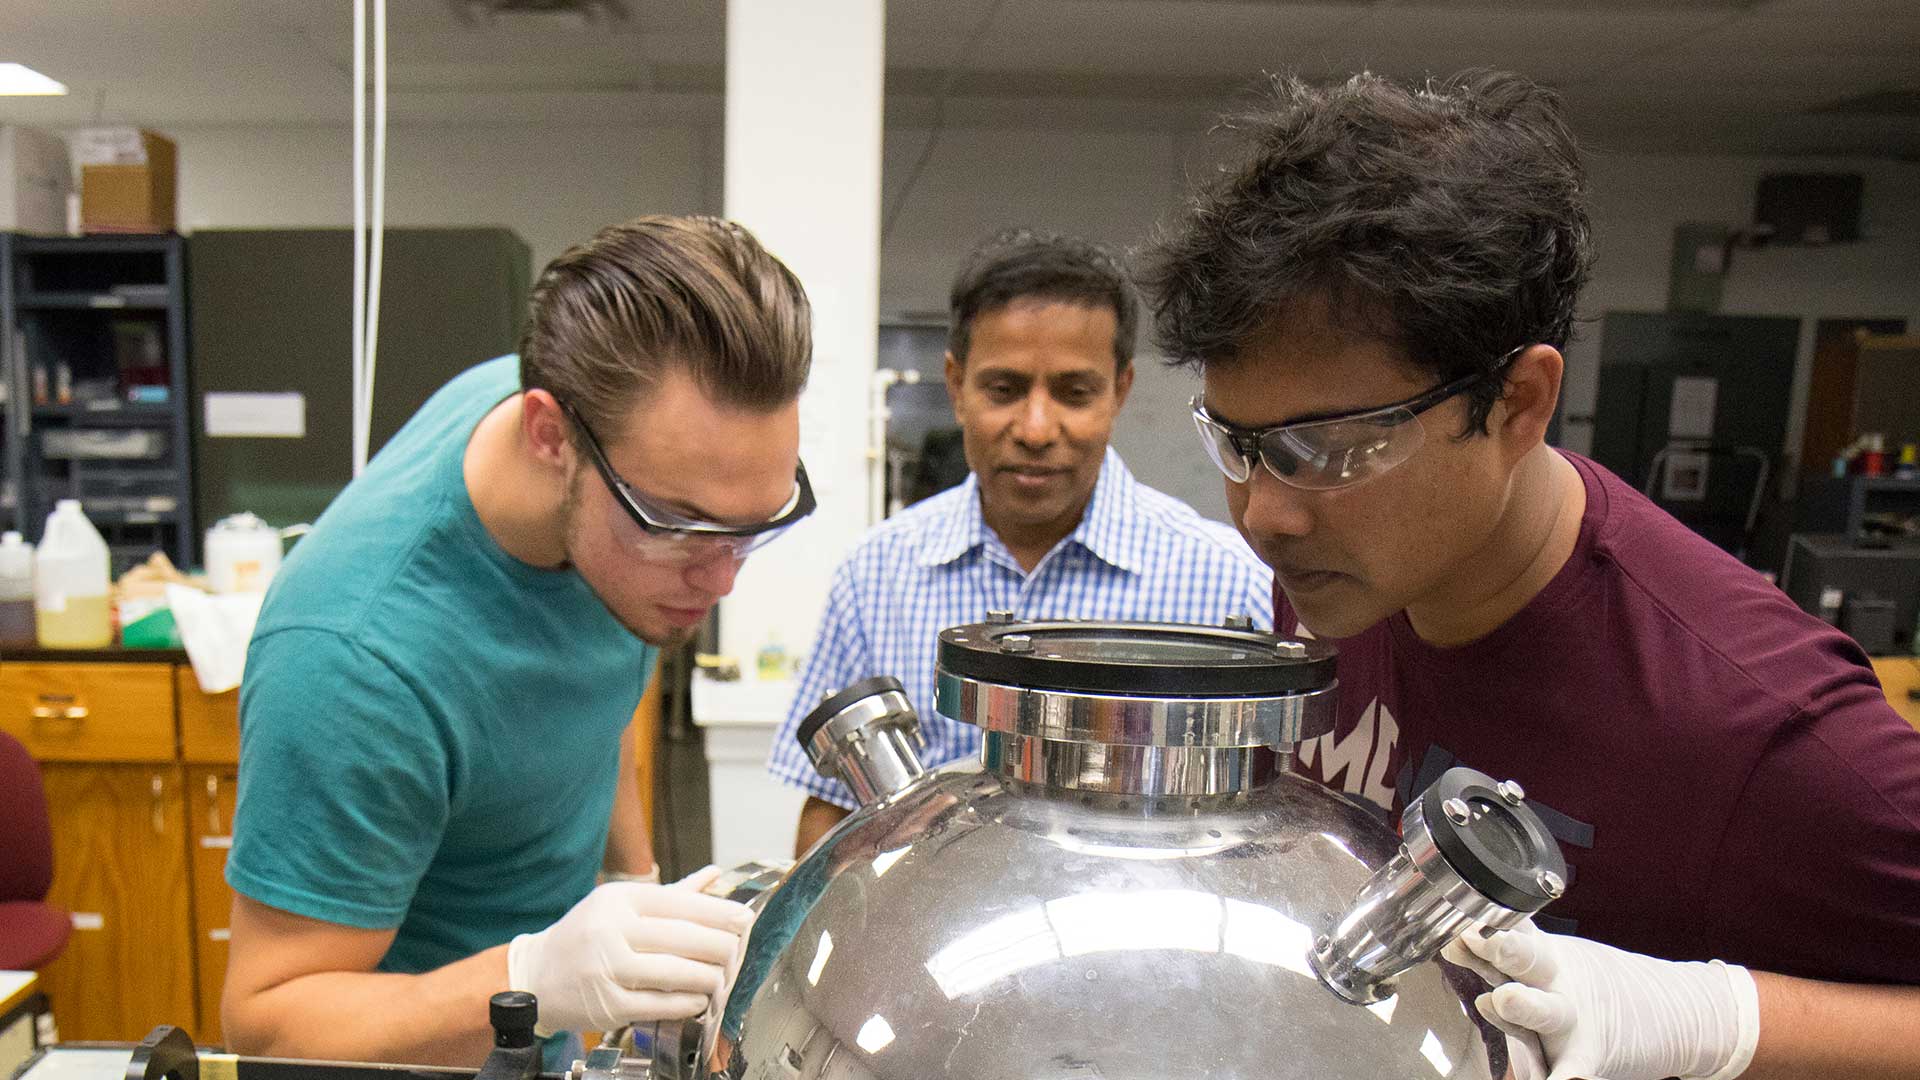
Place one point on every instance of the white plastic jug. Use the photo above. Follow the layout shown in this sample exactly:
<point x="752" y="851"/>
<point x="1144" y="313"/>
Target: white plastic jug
<point x="243" y="554"/>
<point x="72" y="582"/>
<point x="16" y="591"/>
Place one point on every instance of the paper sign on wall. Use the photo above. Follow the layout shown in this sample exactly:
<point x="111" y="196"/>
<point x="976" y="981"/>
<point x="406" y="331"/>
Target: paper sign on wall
<point x="255" y="416"/>
<point x="1695" y="398"/>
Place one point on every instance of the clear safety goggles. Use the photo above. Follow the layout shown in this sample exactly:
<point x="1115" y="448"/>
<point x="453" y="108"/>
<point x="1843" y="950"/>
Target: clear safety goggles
<point x="1327" y="452"/>
<point x="653" y="533"/>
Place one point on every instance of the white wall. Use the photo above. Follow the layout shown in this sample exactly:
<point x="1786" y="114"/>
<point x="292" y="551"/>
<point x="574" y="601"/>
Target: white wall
<point x="552" y="185"/>
<point x="557" y="185"/>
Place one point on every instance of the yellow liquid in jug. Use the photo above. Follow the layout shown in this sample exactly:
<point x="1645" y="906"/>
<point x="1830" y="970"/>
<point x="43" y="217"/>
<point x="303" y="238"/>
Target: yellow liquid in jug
<point x="85" y="624"/>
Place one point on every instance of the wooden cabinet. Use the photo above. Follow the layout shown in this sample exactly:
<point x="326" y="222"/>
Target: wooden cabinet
<point x="120" y="865"/>
<point x="209" y="723"/>
<point x="89" y="712"/>
<point x="139" y="768"/>
<point x="1900" y="678"/>
<point x="210" y="802"/>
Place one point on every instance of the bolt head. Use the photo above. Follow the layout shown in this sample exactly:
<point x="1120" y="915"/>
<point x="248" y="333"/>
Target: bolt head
<point x="1016" y="643"/>
<point x="1512" y="792"/>
<point x="1550" y="883"/>
<point x="1000" y="615"/>
<point x="1239" y="622"/>
<point x="1290" y="650"/>
<point x="1457" y="811"/>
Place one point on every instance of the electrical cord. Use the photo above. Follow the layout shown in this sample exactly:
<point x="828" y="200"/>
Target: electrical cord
<point x="960" y="61"/>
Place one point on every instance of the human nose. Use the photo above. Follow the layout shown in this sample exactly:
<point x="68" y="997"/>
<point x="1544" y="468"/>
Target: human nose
<point x="714" y="572"/>
<point x="1036" y="423"/>
<point x="1269" y="507"/>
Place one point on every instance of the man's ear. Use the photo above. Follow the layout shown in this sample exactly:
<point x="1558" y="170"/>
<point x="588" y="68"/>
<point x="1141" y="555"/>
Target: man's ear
<point x="956" y="371"/>
<point x="1122" y="386"/>
<point x="1520" y="418"/>
<point x="546" y="429"/>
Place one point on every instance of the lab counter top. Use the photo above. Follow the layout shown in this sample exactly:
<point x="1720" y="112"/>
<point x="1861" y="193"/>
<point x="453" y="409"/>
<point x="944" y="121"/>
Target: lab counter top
<point x="110" y="655"/>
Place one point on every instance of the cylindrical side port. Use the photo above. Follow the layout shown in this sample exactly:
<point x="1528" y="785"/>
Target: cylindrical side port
<point x="1474" y="857"/>
<point x="866" y="735"/>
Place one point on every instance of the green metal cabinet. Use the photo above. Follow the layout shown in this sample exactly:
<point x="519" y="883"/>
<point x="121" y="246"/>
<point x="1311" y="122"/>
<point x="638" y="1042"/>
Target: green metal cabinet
<point x="272" y="314"/>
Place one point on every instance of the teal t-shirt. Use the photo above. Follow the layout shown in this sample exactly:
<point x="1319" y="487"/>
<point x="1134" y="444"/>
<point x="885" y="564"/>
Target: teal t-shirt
<point x="429" y="728"/>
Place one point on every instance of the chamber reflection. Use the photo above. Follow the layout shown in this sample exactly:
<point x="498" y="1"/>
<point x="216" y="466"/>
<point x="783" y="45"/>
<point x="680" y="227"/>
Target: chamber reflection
<point x="1436" y="1054"/>
<point x="820" y="955"/>
<point x="875" y="1035"/>
<point x="1157" y="919"/>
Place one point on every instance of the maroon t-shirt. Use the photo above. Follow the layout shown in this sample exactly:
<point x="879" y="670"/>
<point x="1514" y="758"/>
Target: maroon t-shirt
<point x="1721" y="769"/>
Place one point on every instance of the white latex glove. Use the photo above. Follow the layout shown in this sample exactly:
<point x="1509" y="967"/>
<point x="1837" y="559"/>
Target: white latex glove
<point x="1576" y="1008"/>
<point x="630" y="952"/>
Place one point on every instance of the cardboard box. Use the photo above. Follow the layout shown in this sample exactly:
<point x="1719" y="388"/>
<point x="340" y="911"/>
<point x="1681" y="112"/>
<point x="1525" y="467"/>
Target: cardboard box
<point x="35" y="179"/>
<point x="127" y="180"/>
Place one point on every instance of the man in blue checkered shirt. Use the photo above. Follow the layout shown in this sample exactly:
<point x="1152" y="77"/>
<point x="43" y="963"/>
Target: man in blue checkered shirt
<point x="1049" y="524"/>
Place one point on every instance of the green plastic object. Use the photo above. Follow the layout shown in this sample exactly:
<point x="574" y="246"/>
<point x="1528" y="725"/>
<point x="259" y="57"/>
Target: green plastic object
<point x="154" y="631"/>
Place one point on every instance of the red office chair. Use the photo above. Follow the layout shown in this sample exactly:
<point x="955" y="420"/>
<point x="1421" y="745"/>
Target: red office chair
<point x="32" y="931"/>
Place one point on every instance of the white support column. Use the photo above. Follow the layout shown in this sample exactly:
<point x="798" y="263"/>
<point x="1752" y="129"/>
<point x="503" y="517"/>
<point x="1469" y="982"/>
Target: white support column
<point x="803" y="135"/>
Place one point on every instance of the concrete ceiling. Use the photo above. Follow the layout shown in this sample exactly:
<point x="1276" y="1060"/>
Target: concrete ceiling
<point x="1837" y="77"/>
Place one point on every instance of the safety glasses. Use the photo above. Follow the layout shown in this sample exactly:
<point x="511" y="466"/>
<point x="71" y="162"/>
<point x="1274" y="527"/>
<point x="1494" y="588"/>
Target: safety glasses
<point x="654" y="533"/>
<point x="1327" y="452"/>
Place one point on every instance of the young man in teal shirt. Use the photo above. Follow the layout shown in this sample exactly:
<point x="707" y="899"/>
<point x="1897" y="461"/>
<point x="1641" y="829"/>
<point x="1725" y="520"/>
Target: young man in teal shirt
<point x="435" y="758"/>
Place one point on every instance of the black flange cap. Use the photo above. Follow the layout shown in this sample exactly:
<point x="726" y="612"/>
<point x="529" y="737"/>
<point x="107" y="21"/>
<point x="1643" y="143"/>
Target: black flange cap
<point x="1503" y="849"/>
<point x="513" y="1014"/>
<point x="1167" y="660"/>
<point x="835" y="704"/>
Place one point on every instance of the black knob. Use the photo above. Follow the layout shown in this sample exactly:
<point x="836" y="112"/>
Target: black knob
<point x="513" y="1014"/>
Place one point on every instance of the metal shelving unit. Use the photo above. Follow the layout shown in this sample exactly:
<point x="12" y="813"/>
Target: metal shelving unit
<point x="95" y="336"/>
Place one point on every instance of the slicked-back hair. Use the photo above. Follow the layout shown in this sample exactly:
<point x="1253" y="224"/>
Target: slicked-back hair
<point x="696" y="294"/>
<point x="1448" y="220"/>
<point x="1018" y="265"/>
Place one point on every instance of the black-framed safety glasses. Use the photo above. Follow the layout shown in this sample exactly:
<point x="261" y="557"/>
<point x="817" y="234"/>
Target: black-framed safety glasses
<point x="658" y="533"/>
<point x="1336" y="450"/>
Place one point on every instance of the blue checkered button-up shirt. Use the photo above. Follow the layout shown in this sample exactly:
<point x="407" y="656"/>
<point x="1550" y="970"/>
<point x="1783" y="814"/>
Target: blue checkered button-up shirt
<point x="1138" y="554"/>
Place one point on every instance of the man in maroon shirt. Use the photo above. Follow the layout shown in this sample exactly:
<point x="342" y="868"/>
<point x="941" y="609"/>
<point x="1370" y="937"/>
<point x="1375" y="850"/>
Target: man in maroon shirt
<point x="1377" y="298"/>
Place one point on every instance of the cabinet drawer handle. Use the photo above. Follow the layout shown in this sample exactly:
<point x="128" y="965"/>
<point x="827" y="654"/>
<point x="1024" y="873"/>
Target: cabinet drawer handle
<point x="58" y="709"/>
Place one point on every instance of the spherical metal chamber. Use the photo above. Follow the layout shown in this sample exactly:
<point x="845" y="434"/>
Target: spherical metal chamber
<point x="1003" y="921"/>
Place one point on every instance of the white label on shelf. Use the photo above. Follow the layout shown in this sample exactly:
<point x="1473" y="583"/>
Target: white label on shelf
<point x="216" y="841"/>
<point x="89" y="920"/>
<point x="256" y="416"/>
<point x="221" y="934"/>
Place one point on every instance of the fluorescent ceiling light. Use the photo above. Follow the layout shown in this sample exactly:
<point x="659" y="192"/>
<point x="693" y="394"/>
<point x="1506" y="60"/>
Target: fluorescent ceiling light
<point x="20" y="80"/>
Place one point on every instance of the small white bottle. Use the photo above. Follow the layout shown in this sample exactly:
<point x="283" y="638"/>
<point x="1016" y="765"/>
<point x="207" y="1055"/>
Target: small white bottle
<point x="16" y="592"/>
<point x="72" y="582"/>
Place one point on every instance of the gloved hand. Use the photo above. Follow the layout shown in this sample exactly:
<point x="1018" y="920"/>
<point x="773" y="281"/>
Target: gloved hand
<point x="1576" y="1008"/>
<point x="630" y="952"/>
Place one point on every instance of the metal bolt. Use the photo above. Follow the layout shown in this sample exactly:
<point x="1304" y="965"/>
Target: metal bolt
<point x="1000" y="615"/>
<point x="1550" y="884"/>
<point x="1016" y="643"/>
<point x="1239" y="622"/>
<point x="1511" y="791"/>
<point x="1323" y="944"/>
<point x="1457" y="811"/>
<point x="1290" y="650"/>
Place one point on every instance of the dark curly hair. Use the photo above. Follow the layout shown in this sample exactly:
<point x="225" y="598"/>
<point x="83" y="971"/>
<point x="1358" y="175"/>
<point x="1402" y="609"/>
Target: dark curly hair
<point x="1028" y="264"/>
<point x="1449" y="220"/>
